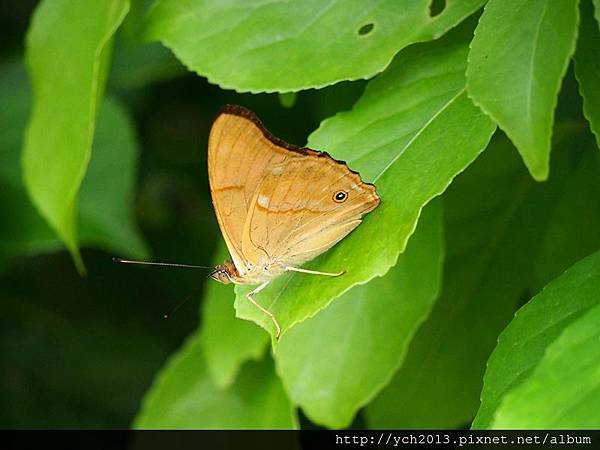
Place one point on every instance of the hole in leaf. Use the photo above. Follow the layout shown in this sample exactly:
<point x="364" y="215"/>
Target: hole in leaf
<point x="365" y="29"/>
<point x="436" y="7"/>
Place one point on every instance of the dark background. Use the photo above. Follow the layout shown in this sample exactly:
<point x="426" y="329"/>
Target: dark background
<point x="81" y="352"/>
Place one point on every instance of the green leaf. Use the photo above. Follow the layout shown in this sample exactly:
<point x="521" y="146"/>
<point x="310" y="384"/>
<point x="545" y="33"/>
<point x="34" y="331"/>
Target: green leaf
<point x="334" y="363"/>
<point x="564" y="389"/>
<point x="496" y="220"/>
<point x="587" y="67"/>
<point x="107" y="192"/>
<point x="184" y="396"/>
<point x="597" y="11"/>
<point x="270" y="46"/>
<point x="522" y="345"/>
<point x="518" y="58"/>
<point x="227" y="342"/>
<point x="105" y="213"/>
<point x="411" y="133"/>
<point x="74" y="35"/>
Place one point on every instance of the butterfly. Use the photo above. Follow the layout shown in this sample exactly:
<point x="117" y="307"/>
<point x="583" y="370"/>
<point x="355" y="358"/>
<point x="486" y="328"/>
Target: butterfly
<point x="277" y="205"/>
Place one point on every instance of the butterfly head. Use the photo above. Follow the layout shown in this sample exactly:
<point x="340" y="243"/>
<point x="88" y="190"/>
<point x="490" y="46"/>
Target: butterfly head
<point x="224" y="273"/>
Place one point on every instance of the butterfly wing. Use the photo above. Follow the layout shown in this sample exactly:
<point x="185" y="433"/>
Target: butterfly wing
<point x="295" y="215"/>
<point x="275" y="203"/>
<point x="238" y="155"/>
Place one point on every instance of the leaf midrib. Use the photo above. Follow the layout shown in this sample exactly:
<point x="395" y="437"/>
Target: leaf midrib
<point x="419" y="133"/>
<point x="528" y="98"/>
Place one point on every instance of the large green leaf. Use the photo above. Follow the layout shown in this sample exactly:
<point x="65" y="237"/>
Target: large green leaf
<point x="67" y="55"/>
<point x="527" y="342"/>
<point x="587" y="67"/>
<point x="105" y="214"/>
<point x="267" y="45"/>
<point x="184" y="396"/>
<point x="334" y="363"/>
<point x="518" y="58"/>
<point x="228" y="342"/>
<point x="564" y="389"/>
<point x="497" y="220"/>
<point x="411" y="133"/>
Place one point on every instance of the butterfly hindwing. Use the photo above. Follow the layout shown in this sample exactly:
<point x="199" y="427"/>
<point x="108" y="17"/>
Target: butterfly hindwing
<point x="294" y="216"/>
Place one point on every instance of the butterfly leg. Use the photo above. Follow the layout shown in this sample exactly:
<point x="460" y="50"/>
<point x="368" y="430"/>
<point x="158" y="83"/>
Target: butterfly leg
<point x="250" y="295"/>
<point x="314" y="272"/>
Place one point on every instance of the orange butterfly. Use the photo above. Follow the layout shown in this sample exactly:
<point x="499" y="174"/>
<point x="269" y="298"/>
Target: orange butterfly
<point x="277" y="205"/>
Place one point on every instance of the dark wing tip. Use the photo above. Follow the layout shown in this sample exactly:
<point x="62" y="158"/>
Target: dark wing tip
<point x="238" y="110"/>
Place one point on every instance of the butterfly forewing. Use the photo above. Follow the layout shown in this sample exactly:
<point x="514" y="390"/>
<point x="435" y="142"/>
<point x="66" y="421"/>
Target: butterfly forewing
<point x="238" y="153"/>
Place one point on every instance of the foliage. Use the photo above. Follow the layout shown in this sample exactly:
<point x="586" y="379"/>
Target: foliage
<point x="531" y="61"/>
<point x="574" y="357"/>
<point x="413" y="152"/>
<point x="367" y="332"/>
<point x="587" y="67"/>
<point x="463" y="108"/>
<point x="185" y="396"/>
<point x="503" y="235"/>
<point x="281" y="53"/>
<point x="106" y="195"/>
<point x="550" y="347"/>
<point x="59" y="135"/>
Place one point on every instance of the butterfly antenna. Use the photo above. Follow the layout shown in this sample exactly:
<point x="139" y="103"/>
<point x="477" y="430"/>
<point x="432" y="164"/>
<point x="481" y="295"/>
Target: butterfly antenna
<point x="152" y="263"/>
<point x="180" y="304"/>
